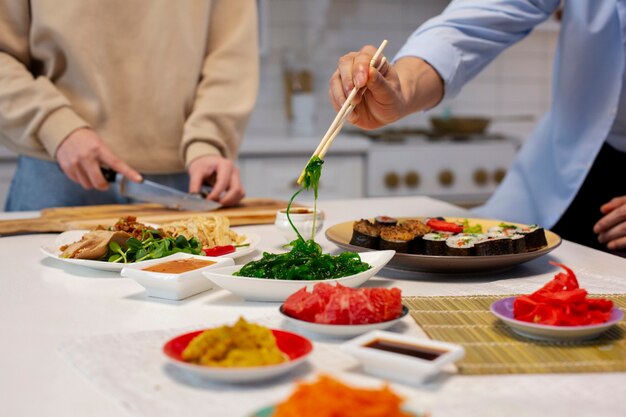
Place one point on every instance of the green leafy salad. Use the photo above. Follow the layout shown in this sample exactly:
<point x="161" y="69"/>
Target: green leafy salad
<point x="151" y="246"/>
<point x="305" y="260"/>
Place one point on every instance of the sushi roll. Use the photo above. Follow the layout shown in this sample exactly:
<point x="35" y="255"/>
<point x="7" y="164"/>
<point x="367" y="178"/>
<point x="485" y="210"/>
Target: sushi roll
<point x="435" y="243"/>
<point x="503" y="230"/>
<point x="385" y="221"/>
<point x="535" y="237"/>
<point x="418" y="229"/>
<point x="461" y="245"/>
<point x="491" y="246"/>
<point x="518" y="243"/>
<point x="396" y="238"/>
<point x="365" y="234"/>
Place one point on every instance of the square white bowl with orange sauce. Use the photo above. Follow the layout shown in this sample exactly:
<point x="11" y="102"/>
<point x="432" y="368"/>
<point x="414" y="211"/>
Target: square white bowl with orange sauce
<point x="175" y="277"/>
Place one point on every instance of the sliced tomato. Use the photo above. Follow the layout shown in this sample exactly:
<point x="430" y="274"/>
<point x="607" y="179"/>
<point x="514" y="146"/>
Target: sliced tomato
<point x="444" y="226"/>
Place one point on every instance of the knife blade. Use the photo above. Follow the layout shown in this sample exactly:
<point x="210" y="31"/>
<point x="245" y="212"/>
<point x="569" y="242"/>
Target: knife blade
<point x="152" y="192"/>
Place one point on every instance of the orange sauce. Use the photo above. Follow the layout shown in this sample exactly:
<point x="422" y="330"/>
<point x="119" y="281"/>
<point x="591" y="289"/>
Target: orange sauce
<point x="179" y="266"/>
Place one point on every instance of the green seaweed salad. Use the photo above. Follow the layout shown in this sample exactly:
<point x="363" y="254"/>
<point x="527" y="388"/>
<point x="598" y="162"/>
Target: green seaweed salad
<point x="305" y="260"/>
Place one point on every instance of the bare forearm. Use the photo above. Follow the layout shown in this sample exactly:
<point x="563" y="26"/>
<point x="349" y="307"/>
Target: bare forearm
<point x="422" y="87"/>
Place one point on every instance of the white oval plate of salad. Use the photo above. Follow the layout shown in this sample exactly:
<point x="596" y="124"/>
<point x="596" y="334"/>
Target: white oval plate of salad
<point x="65" y="238"/>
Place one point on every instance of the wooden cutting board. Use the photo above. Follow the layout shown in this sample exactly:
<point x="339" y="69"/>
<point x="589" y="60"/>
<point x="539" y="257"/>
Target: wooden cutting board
<point x="60" y="219"/>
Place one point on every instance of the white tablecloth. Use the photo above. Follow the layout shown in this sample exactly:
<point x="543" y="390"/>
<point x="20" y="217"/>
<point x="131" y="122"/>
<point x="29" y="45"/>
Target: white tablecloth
<point x="60" y="322"/>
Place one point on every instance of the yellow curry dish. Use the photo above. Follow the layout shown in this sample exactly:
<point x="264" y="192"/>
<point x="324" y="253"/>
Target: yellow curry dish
<point x="241" y="345"/>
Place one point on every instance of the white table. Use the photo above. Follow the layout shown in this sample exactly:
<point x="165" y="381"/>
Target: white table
<point x="45" y="304"/>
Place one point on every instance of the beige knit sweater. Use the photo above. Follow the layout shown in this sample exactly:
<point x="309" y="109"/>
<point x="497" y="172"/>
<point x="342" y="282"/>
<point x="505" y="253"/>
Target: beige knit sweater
<point x="161" y="81"/>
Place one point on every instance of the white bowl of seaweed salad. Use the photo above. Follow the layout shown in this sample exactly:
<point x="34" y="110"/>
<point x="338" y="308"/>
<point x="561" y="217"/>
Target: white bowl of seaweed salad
<point x="279" y="288"/>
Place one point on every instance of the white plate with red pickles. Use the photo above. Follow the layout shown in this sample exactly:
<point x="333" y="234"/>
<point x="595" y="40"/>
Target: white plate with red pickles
<point x="453" y="245"/>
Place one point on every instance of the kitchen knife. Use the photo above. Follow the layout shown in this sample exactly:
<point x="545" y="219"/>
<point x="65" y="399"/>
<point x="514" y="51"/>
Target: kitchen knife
<point x="152" y="192"/>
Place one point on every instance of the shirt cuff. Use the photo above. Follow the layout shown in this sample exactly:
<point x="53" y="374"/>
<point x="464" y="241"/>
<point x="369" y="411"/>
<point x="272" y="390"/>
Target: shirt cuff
<point x="444" y="57"/>
<point x="198" y="148"/>
<point x="58" y="126"/>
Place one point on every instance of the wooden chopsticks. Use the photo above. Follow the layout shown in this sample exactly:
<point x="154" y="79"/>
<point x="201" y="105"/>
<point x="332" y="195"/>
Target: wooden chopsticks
<point x="342" y="114"/>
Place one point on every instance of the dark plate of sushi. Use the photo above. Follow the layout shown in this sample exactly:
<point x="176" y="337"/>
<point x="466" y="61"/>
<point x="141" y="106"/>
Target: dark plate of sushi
<point x="450" y="245"/>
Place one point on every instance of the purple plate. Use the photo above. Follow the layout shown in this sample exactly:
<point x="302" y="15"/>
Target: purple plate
<point x="503" y="309"/>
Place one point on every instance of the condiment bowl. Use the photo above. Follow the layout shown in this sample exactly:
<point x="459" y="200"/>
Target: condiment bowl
<point x="174" y="286"/>
<point x="295" y="347"/>
<point x="302" y="219"/>
<point x="503" y="309"/>
<point x="402" y="358"/>
<point x="265" y="289"/>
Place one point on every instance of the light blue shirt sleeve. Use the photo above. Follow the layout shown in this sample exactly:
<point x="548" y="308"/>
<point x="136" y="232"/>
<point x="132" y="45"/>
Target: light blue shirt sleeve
<point x="468" y="35"/>
<point x="588" y="78"/>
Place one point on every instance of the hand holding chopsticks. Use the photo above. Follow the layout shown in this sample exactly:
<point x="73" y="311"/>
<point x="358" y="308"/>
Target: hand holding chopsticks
<point x="343" y="114"/>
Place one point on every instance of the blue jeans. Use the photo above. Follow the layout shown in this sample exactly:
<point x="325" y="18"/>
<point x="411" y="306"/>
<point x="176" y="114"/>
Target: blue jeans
<point x="39" y="184"/>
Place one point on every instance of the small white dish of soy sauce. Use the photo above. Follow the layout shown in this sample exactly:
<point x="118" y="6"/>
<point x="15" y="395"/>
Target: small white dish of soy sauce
<point x="401" y="358"/>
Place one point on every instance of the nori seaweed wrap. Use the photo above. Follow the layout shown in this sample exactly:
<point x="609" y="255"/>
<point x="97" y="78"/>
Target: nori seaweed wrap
<point x="365" y="234"/>
<point x="419" y="229"/>
<point x="535" y="237"/>
<point x="435" y="243"/>
<point x="518" y="243"/>
<point x="461" y="245"/>
<point x="494" y="246"/>
<point x="396" y="238"/>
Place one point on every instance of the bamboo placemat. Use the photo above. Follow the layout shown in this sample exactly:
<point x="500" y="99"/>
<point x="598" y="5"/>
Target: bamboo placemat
<point x="491" y="347"/>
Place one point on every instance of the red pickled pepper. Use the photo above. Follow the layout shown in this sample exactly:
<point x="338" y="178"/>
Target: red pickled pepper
<point x="444" y="226"/>
<point x="219" y="250"/>
<point x="561" y="302"/>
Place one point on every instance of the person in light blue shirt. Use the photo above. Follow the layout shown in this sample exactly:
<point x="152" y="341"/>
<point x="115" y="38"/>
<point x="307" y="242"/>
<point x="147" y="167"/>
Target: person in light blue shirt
<point x="570" y="174"/>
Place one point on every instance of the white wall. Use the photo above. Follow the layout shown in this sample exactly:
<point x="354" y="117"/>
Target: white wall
<point x="516" y="83"/>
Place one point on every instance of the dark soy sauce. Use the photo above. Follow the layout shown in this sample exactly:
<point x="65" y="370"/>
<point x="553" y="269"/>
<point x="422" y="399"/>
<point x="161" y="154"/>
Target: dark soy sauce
<point x="421" y="352"/>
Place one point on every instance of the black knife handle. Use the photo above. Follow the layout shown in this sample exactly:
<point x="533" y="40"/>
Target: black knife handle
<point x="109" y="174"/>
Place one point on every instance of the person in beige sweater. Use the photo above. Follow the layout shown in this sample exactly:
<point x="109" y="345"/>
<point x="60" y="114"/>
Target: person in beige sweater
<point x="159" y="87"/>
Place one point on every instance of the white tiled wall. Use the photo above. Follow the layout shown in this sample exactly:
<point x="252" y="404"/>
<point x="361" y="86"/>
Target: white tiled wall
<point x="320" y="31"/>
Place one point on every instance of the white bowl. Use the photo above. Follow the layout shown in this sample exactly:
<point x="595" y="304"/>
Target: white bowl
<point x="264" y="289"/>
<point x="341" y="330"/>
<point x="173" y="286"/>
<point x="397" y="366"/>
<point x="302" y="219"/>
